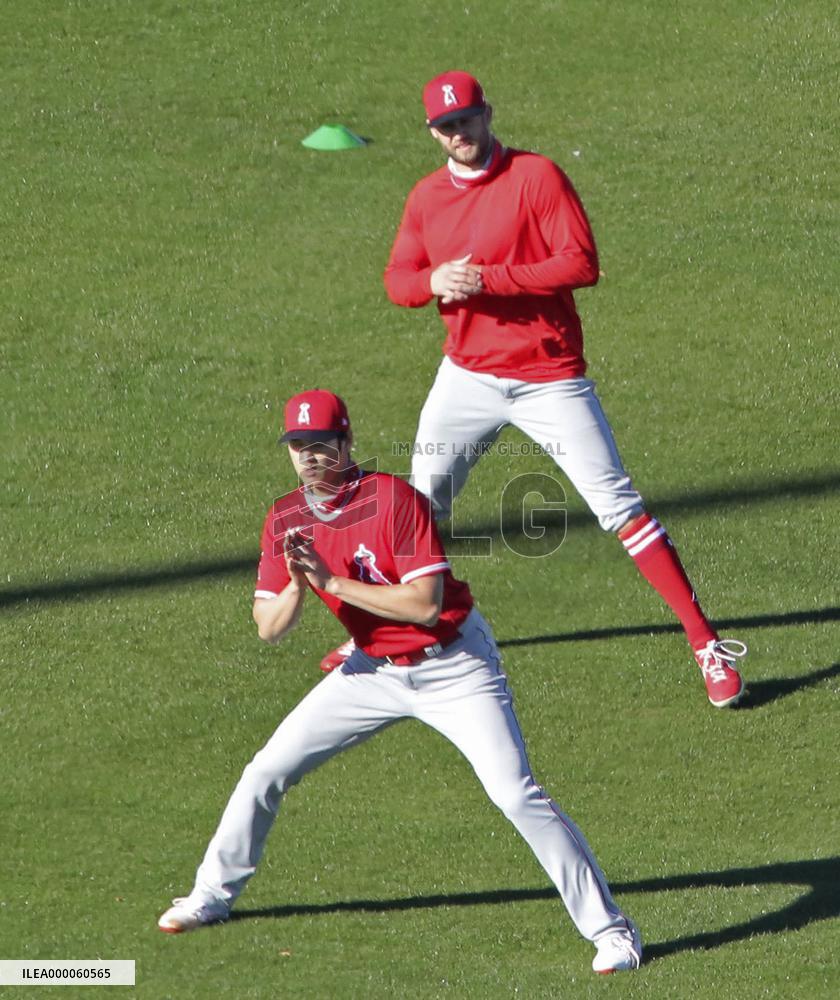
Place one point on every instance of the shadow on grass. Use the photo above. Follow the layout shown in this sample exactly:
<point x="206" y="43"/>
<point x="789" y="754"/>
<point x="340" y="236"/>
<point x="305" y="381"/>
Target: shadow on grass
<point x="510" y="526"/>
<point x="108" y="583"/>
<point x="817" y="615"/>
<point x="761" y="693"/>
<point x="819" y="901"/>
<point x="772" y="491"/>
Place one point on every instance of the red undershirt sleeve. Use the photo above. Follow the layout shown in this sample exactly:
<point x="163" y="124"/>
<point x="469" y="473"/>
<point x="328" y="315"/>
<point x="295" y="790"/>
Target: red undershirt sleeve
<point x="408" y="273"/>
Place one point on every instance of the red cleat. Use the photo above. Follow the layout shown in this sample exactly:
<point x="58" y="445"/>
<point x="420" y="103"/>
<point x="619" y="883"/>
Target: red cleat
<point x="337" y="656"/>
<point x="716" y="659"/>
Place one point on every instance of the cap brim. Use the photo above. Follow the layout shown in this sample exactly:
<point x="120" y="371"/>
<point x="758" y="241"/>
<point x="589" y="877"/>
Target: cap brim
<point x="310" y="435"/>
<point x="452" y="116"/>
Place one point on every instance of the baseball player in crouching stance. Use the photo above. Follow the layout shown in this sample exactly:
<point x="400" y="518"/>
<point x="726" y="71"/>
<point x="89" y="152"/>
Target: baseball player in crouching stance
<point x="499" y="238"/>
<point x="366" y="544"/>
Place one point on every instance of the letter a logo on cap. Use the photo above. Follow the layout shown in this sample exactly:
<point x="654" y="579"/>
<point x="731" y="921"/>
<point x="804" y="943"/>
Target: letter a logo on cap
<point x="314" y="412"/>
<point x="449" y="97"/>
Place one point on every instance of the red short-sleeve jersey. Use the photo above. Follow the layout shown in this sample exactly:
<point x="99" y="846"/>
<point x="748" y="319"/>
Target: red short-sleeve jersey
<point x="379" y="531"/>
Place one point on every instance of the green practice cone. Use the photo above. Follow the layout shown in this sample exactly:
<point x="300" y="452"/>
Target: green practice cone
<point x="331" y="137"/>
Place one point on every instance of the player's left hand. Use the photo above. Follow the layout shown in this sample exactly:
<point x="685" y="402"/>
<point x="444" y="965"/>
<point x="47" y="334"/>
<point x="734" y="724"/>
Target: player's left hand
<point x="456" y="280"/>
<point x="303" y="557"/>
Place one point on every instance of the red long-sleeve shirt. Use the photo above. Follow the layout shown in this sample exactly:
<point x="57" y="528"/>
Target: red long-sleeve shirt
<point x="523" y="222"/>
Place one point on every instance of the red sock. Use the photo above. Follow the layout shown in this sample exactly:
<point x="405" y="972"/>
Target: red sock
<point x="650" y="548"/>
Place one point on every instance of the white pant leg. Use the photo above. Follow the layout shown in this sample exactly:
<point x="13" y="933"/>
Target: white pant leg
<point x="462" y="415"/>
<point x="343" y="710"/>
<point x="474" y="710"/>
<point x="567" y="420"/>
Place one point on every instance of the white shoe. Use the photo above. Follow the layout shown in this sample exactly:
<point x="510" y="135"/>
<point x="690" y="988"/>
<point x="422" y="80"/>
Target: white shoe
<point x="620" y="951"/>
<point x="190" y="912"/>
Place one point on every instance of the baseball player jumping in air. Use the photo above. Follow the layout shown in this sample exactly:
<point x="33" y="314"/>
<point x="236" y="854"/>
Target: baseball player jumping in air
<point x="366" y="544"/>
<point x="499" y="237"/>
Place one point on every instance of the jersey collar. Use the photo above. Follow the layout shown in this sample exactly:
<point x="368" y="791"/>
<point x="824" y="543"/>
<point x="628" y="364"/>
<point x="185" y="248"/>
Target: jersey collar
<point x="328" y="508"/>
<point x="473" y="178"/>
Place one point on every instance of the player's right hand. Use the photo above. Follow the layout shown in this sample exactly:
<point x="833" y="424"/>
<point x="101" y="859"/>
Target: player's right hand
<point x="456" y="280"/>
<point x="292" y="542"/>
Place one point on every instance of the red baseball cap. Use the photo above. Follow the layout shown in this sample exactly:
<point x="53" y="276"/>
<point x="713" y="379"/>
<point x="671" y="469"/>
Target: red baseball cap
<point x="315" y="414"/>
<point x="452" y="95"/>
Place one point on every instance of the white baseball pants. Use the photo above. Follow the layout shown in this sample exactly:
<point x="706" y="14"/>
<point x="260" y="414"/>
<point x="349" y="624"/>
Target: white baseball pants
<point x="465" y="412"/>
<point x="463" y="694"/>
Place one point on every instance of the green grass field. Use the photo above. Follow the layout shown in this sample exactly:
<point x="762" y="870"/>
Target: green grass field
<point x="175" y="264"/>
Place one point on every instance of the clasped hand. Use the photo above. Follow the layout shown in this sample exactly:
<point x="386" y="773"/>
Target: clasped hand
<point x="456" y="280"/>
<point x="303" y="562"/>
